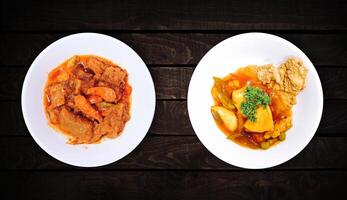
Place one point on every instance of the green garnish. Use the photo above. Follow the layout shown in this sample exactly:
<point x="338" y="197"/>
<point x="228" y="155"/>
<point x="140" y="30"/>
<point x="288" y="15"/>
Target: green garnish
<point x="254" y="97"/>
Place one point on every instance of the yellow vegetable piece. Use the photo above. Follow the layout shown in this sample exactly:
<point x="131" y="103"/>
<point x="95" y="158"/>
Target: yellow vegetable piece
<point x="227" y="117"/>
<point x="238" y="97"/>
<point x="263" y="123"/>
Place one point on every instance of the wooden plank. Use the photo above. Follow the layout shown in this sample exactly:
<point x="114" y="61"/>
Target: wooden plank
<point x="85" y="15"/>
<point x="190" y="185"/>
<point x="11" y="82"/>
<point x="173" y="82"/>
<point x="175" y="152"/>
<point x="171" y="118"/>
<point x="174" y="48"/>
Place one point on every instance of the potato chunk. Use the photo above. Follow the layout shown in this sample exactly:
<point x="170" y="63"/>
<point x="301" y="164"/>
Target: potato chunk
<point x="114" y="75"/>
<point x="114" y="122"/>
<point x="56" y="94"/>
<point x="95" y="64"/>
<point x="225" y="116"/>
<point x="79" y="129"/>
<point x="238" y="97"/>
<point x="263" y="123"/>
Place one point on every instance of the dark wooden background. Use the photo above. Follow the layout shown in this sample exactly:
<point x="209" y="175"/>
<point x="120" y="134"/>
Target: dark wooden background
<point x="171" y="37"/>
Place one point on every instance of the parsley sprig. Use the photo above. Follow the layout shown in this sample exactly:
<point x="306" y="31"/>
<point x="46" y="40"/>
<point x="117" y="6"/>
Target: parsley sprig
<point x="254" y="97"/>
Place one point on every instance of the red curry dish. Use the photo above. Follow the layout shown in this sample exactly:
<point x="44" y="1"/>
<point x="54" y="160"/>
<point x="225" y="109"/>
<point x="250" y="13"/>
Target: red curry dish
<point x="87" y="98"/>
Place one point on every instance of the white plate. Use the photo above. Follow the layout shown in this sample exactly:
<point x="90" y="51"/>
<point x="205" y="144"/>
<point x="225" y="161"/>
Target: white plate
<point x="142" y="107"/>
<point x="225" y="58"/>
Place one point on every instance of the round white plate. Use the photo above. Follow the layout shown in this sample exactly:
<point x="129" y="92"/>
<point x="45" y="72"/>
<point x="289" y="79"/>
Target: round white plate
<point x="225" y="58"/>
<point x="142" y="107"/>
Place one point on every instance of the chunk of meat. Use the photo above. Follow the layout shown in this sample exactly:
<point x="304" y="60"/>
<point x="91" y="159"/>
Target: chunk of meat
<point x="85" y="85"/>
<point x="82" y="73"/>
<point x="58" y="75"/>
<point x="114" y="75"/>
<point x="114" y="121"/>
<point x="62" y="76"/>
<point x="96" y="65"/>
<point x="82" y="104"/>
<point x="80" y="130"/>
<point x="53" y="115"/>
<point x="106" y="93"/>
<point x="76" y="85"/>
<point x="56" y="94"/>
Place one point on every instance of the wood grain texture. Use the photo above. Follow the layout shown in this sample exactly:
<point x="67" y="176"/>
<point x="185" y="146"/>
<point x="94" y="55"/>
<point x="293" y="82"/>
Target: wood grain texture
<point x="174" y="153"/>
<point x="173" y="15"/>
<point x="172" y="82"/>
<point x="190" y="185"/>
<point x="172" y="37"/>
<point x="171" y="118"/>
<point x="174" y="48"/>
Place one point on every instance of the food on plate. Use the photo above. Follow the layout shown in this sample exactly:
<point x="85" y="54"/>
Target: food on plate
<point x="253" y="105"/>
<point x="88" y="98"/>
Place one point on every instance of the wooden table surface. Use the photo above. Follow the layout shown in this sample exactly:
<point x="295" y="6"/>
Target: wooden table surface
<point x="171" y="37"/>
